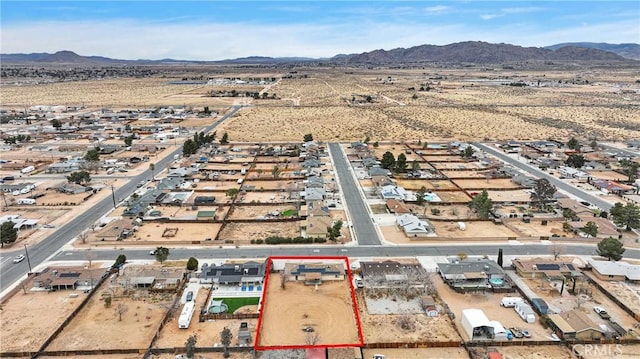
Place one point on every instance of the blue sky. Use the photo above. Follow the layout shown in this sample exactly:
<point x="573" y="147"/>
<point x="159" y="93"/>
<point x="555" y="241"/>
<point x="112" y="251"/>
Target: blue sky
<point x="216" y="29"/>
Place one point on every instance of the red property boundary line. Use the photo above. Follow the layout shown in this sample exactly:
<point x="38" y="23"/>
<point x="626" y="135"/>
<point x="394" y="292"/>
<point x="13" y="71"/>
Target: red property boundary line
<point x="264" y="299"/>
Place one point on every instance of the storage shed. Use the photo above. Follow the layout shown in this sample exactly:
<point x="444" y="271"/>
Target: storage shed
<point x="476" y="324"/>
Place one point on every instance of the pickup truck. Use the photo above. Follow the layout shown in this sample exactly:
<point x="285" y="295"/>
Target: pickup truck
<point x="602" y="313"/>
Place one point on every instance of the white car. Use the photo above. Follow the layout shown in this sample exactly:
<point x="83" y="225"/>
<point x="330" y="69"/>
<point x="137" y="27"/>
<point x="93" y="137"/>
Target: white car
<point x="18" y="259"/>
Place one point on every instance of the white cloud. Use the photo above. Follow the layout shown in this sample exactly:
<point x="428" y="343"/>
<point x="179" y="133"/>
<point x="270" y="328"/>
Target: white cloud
<point x="521" y="10"/>
<point x="438" y="9"/>
<point x="489" y="16"/>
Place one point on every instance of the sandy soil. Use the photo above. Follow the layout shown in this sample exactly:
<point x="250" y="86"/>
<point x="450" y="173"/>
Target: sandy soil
<point x="490" y="304"/>
<point x="463" y="174"/>
<point x="431" y="353"/>
<point x="244" y="232"/>
<point x="27" y="319"/>
<point x="428" y="184"/>
<point x="247" y="355"/>
<point x="152" y="232"/>
<point x="518" y="195"/>
<point x="537" y="352"/>
<point x="253" y="212"/>
<point x="473" y="230"/>
<point x="536" y="229"/>
<point x="607" y="351"/>
<point x="136" y="329"/>
<point x="262" y="197"/>
<point x="608" y="175"/>
<point x="627" y="293"/>
<point x="480" y="184"/>
<point x="329" y="310"/>
<point x="383" y="328"/>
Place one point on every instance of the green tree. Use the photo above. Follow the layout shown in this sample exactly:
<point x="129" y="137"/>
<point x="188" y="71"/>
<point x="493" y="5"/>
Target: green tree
<point x="366" y="140"/>
<point x="568" y="214"/>
<point x="574" y="144"/>
<point x="275" y="171"/>
<point x="121" y="259"/>
<point x="333" y="232"/>
<point x="162" y="254"/>
<point x="415" y="166"/>
<point x="56" y="124"/>
<point x="482" y="204"/>
<point x="376" y="144"/>
<point x="189" y="148"/>
<point x="225" y="139"/>
<point x="630" y="168"/>
<point x="231" y="192"/>
<point x="192" y="264"/>
<point x="152" y="168"/>
<point x="128" y="141"/>
<point x="79" y="177"/>
<point x="575" y="161"/>
<point x="420" y="196"/>
<point x="610" y="248"/>
<point x="500" y="259"/>
<point x="468" y="152"/>
<point x="388" y="160"/>
<point x="590" y="229"/>
<point x="93" y="155"/>
<point x="627" y="216"/>
<point x="401" y="163"/>
<point x="308" y="137"/>
<point x="8" y="234"/>
<point x="543" y="192"/>
<point x="190" y="345"/>
<point x="225" y="339"/>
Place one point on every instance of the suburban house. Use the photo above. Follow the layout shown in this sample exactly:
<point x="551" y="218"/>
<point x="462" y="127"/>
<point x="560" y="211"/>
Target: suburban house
<point x="613" y="187"/>
<point x="139" y="206"/>
<point x="570" y="172"/>
<point x="316" y="226"/>
<point x="314" y="182"/>
<point x="397" y="207"/>
<point x="606" y="228"/>
<point x="539" y="268"/>
<point x="314" y="273"/>
<point x="115" y="230"/>
<point x="615" y="271"/>
<point x="10" y="188"/>
<point x="378" y="171"/>
<point x="72" y="188"/>
<point x="389" y="274"/>
<point x="414" y="226"/>
<point x="313" y="194"/>
<point x="575" y="324"/>
<point x="245" y="274"/>
<point x="19" y="223"/>
<point x="470" y="275"/>
<point x="170" y="183"/>
<point x="66" y="278"/>
<point x="394" y="192"/>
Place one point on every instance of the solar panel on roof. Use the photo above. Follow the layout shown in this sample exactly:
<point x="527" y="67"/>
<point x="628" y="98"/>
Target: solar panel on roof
<point x="570" y="266"/>
<point x="69" y="275"/>
<point x="550" y="266"/>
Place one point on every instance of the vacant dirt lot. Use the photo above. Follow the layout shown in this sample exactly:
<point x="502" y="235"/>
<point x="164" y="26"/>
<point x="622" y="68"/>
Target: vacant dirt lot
<point x="384" y="328"/>
<point x="140" y="320"/>
<point x="480" y="184"/>
<point x="473" y="230"/>
<point x="256" y="212"/>
<point x="328" y="310"/>
<point x="536" y="229"/>
<point x="28" y="319"/>
<point x="428" y="184"/>
<point x="242" y="233"/>
<point x="537" y="352"/>
<point x="187" y="232"/>
<point x="431" y="353"/>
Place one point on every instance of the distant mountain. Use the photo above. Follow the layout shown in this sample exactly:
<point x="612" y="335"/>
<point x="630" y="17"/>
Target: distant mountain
<point x="476" y="52"/>
<point x="463" y="52"/>
<point x="630" y="51"/>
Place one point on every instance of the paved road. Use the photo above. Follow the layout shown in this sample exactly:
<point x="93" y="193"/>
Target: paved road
<point x="561" y="185"/>
<point x="629" y="152"/>
<point x="357" y="251"/>
<point x="363" y="227"/>
<point x="9" y="272"/>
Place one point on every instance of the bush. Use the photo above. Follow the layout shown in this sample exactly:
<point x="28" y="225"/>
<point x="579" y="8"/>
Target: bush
<point x="259" y="241"/>
<point x="122" y="259"/>
<point x="192" y="264"/>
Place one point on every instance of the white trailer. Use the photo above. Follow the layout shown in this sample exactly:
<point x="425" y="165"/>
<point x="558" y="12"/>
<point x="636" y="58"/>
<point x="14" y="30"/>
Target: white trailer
<point x="26" y="201"/>
<point x="27" y="169"/>
<point x="525" y="312"/>
<point x="186" y="315"/>
<point x="510" y="302"/>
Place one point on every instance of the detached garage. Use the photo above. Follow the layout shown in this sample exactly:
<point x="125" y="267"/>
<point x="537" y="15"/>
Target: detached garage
<point x="476" y="324"/>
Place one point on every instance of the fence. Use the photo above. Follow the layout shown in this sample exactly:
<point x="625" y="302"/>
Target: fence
<point x="604" y="291"/>
<point x="401" y="345"/>
<point x="208" y="316"/>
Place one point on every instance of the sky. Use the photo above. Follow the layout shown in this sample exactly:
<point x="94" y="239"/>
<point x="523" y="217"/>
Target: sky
<point x="224" y="29"/>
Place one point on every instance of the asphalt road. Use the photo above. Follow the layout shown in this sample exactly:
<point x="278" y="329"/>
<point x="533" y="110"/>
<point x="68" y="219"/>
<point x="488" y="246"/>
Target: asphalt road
<point x="561" y="185"/>
<point x="357" y="251"/>
<point x="623" y="150"/>
<point x="39" y="253"/>
<point x="363" y="227"/>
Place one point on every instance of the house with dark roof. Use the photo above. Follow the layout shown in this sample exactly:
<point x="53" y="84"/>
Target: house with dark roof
<point x="575" y="324"/>
<point x="234" y="274"/>
<point x="540" y="268"/>
<point x="472" y="275"/>
<point x="66" y="278"/>
<point x="139" y="206"/>
<point x="314" y="273"/>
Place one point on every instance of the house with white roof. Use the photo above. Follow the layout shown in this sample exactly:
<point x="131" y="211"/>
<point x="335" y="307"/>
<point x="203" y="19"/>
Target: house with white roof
<point x="414" y="226"/>
<point x="615" y="271"/>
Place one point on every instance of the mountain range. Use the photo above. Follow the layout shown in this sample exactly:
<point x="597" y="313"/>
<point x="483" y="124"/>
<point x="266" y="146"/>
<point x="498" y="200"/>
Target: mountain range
<point x="462" y="52"/>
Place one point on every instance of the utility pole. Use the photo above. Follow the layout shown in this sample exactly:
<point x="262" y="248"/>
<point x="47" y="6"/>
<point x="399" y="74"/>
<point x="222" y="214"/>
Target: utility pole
<point x="28" y="261"/>
<point x="113" y="197"/>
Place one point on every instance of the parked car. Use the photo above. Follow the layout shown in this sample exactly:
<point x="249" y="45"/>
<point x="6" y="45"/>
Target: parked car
<point x="189" y="296"/>
<point x="601" y="312"/>
<point x="526" y="333"/>
<point x="516" y="332"/>
<point x="152" y="252"/>
<point x="18" y="259"/>
<point x="359" y="283"/>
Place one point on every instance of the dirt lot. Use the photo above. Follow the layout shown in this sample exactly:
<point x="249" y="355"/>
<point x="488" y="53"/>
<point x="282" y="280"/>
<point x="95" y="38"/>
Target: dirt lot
<point x="627" y="293"/>
<point x="536" y="229"/>
<point x="243" y="355"/>
<point x="244" y="232"/>
<point x="477" y="229"/>
<point x="453" y="196"/>
<point x="27" y="319"/>
<point x="537" y="352"/>
<point x="135" y="330"/>
<point x="480" y="184"/>
<point x="187" y="232"/>
<point x="602" y="351"/>
<point x="608" y="175"/>
<point x="431" y="353"/>
<point x="384" y="328"/>
<point x="463" y="174"/>
<point x="273" y="185"/>
<point x="329" y="310"/>
<point x="261" y="197"/>
<point x="489" y="303"/>
<point x="428" y="184"/>
<point x="255" y="212"/>
<point x="518" y="195"/>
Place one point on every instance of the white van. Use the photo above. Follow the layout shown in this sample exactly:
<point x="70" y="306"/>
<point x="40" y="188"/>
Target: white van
<point x="510" y="302"/>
